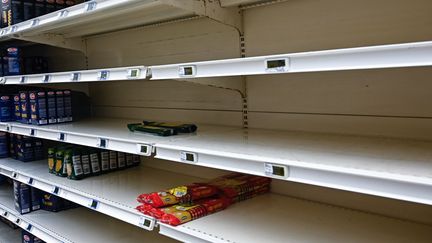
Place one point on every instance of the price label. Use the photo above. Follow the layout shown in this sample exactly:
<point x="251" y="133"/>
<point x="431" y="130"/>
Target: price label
<point x="29" y="227"/>
<point x="5" y="214"/>
<point x="14" y="29"/>
<point x="277" y="65"/>
<point x="75" y="76"/>
<point x="102" y="143"/>
<point x="23" y="79"/>
<point x="103" y="75"/>
<point x="46" y="78"/>
<point x="144" y="149"/>
<point x="32" y="132"/>
<point x="275" y="170"/>
<point x="30" y="181"/>
<point x="91" y="6"/>
<point x="14" y="175"/>
<point x="188" y="157"/>
<point x="2" y="32"/>
<point x="133" y="73"/>
<point x="61" y="137"/>
<point x="8" y="127"/>
<point x="146" y="223"/>
<point x="63" y="14"/>
<point x="18" y="221"/>
<point x="35" y="22"/>
<point x="94" y="204"/>
<point x="187" y="71"/>
<point x="55" y="190"/>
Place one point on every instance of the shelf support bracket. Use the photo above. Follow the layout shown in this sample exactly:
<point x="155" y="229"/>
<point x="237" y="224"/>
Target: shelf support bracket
<point x="56" y="40"/>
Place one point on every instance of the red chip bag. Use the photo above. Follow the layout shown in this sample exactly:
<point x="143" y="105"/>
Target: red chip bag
<point x="182" y="194"/>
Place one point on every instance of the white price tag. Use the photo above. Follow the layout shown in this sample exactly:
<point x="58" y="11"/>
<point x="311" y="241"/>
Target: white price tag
<point x="133" y="73"/>
<point x="93" y="204"/>
<point x="30" y="181"/>
<point x="75" y="76"/>
<point x="278" y="65"/>
<point x="91" y="6"/>
<point x="144" y="149"/>
<point x="14" y="29"/>
<point x="63" y="14"/>
<point x="275" y="170"/>
<point x="46" y="78"/>
<point x="188" y="157"/>
<point x="35" y="22"/>
<point x="146" y="223"/>
<point x="187" y="71"/>
<point x="61" y="137"/>
<point x="103" y="75"/>
<point x="102" y="143"/>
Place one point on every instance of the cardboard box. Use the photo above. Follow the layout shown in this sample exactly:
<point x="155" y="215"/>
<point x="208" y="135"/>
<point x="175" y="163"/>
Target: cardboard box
<point x="22" y="197"/>
<point x="60" y="106"/>
<point x="29" y="238"/>
<point x="28" y="9"/>
<point x="38" y="107"/>
<point x="25" y="107"/>
<point x="11" y="12"/>
<point x="4" y="146"/>
<point x="6" y="108"/>
<point x="51" y="105"/>
<point x="67" y="97"/>
<point x="36" y="198"/>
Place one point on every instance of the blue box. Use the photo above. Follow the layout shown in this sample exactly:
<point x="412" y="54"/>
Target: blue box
<point x="24" y="148"/>
<point x="38" y="149"/>
<point x="38" y="108"/>
<point x="51" y="105"/>
<point x="6" y="108"/>
<point x="52" y="202"/>
<point x="36" y="198"/>
<point x="17" y="107"/>
<point x="25" y="107"/>
<point x="67" y="105"/>
<point x="22" y="197"/>
<point x="4" y="145"/>
<point x="61" y="116"/>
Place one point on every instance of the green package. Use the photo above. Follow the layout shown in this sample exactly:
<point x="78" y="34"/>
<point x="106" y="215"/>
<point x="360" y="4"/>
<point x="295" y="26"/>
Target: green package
<point x="60" y="166"/>
<point x="51" y="159"/>
<point x="160" y="131"/>
<point x="73" y="163"/>
<point x="179" y="128"/>
<point x="95" y="162"/>
<point x="85" y="160"/>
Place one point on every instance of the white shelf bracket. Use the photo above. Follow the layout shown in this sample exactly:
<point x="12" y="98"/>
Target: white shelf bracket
<point x="56" y="40"/>
<point x="211" y="9"/>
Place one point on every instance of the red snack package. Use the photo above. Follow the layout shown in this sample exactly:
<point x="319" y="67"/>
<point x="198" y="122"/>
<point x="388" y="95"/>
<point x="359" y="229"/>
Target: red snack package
<point x="235" y="184"/>
<point x="182" y="194"/>
<point x="176" y="215"/>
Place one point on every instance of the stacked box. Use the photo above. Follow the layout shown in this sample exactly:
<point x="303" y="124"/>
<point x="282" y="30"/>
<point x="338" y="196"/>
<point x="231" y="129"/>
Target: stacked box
<point x="22" y="197"/>
<point x="51" y="106"/>
<point x="40" y="7"/>
<point x="17" y="107"/>
<point x="6" y="108"/>
<point x="60" y="106"/>
<point x="38" y="105"/>
<point x="36" y="198"/>
<point x="12" y="12"/>
<point x="25" y="150"/>
<point x="4" y="148"/>
<point x="67" y="97"/>
<point x="25" y="107"/>
<point x="28" y="9"/>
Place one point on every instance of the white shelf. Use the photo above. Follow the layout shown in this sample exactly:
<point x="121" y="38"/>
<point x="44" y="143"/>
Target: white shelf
<point x="107" y="190"/>
<point x="64" y="28"/>
<point x="9" y="235"/>
<point x="393" y="168"/>
<point x="274" y="218"/>
<point x="385" y="56"/>
<point x="96" y="75"/>
<point x="74" y="225"/>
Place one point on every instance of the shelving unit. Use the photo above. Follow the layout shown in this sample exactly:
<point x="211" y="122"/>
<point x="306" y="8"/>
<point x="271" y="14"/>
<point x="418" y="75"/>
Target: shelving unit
<point x="73" y="225"/>
<point x="353" y="163"/>
<point x="355" y="75"/>
<point x="8" y="234"/>
<point x="65" y="28"/>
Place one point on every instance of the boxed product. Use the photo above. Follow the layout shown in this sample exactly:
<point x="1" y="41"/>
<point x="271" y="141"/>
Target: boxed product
<point x="39" y="7"/>
<point x="12" y="12"/>
<point x="51" y="106"/>
<point x="22" y="197"/>
<point x="6" y="108"/>
<point x="38" y="107"/>
<point x="4" y="146"/>
<point x="25" y="107"/>
<point x="60" y="106"/>
<point x="17" y="107"/>
<point x="67" y="101"/>
<point x="30" y="238"/>
<point x="50" y="6"/>
<point x="13" y="61"/>
<point x="24" y="148"/>
<point x="36" y="198"/>
<point x="28" y="9"/>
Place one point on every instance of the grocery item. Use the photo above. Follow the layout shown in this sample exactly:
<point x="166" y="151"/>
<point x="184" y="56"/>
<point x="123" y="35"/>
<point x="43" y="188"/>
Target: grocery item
<point x="95" y="162"/>
<point x="6" y="108"/>
<point x="30" y="238"/>
<point x="25" y="107"/>
<point x="160" y="131"/>
<point x="60" y="166"/>
<point x="4" y="148"/>
<point x="51" y="159"/>
<point x="36" y="198"/>
<point x="179" y="128"/>
<point x="38" y="107"/>
<point x="182" y="194"/>
<point x="22" y="197"/>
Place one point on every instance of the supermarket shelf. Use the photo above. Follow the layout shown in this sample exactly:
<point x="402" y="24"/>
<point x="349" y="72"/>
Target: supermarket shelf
<point x="9" y="235"/>
<point x="108" y="74"/>
<point x="394" y="168"/>
<point x="74" y="225"/>
<point x="107" y="191"/>
<point x="385" y="56"/>
<point x="64" y="28"/>
<point x="276" y="218"/>
<point x="109" y="134"/>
